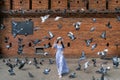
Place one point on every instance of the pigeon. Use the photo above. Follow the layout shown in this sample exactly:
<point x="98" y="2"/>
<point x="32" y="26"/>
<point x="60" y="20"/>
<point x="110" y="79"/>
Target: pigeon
<point x="103" y="35"/>
<point x="46" y="53"/>
<point x="57" y="18"/>
<point x="36" y="28"/>
<point x="88" y="41"/>
<point x="11" y="71"/>
<point x="9" y="46"/>
<point x="115" y="61"/>
<point x="44" y="18"/>
<point x="77" y="25"/>
<point x="82" y="57"/>
<point x="30" y="75"/>
<point x="14" y="23"/>
<point x="20" y="40"/>
<point x="36" y="63"/>
<point x="94" y="62"/>
<point x="22" y="64"/>
<point x="20" y="49"/>
<point x="46" y="71"/>
<point x="93" y="78"/>
<point x="78" y="68"/>
<point x="47" y="45"/>
<point x="71" y="36"/>
<point x="6" y="39"/>
<point x="109" y="25"/>
<point x="86" y="65"/>
<point x="72" y="75"/>
<point x="94" y="19"/>
<point x="102" y="77"/>
<point x="2" y="26"/>
<point x="36" y="41"/>
<point x="51" y="61"/>
<point x="50" y="34"/>
<point x="118" y="18"/>
<point x="14" y="35"/>
<point x="59" y="26"/>
<point x="103" y="53"/>
<point x="94" y="46"/>
<point x="92" y="29"/>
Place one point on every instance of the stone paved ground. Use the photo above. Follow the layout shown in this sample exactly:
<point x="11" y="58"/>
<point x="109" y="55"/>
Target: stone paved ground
<point x="113" y="74"/>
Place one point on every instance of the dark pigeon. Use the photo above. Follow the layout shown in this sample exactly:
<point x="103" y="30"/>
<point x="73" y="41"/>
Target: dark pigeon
<point x="47" y="45"/>
<point x="109" y="25"/>
<point x="22" y="64"/>
<point x="30" y="75"/>
<point x="51" y="61"/>
<point x="6" y="39"/>
<point x="20" y="40"/>
<point x="72" y="75"/>
<point x="88" y="41"/>
<point x="71" y="36"/>
<point x="94" y="62"/>
<point x="94" y="46"/>
<point x="20" y="49"/>
<point x="102" y="77"/>
<point x="103" y="35"/>
<point x="78" y="68"/>
<point x="46" y="71"/>
<point x="36" y="63"/>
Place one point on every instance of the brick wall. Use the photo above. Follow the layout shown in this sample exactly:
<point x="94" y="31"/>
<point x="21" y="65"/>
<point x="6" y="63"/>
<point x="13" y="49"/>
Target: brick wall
<point x="58" y="4"/>
<point x="40" y="4"/>
<point x="76" y="46"/>
<point x="113" y="4"/>
<point x="97" y="4"/>
<point x="77" y="4"/>
<point x="20" y="4"/>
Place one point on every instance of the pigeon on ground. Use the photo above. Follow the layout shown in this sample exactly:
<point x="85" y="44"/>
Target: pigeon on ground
<point x="86" y="65"/>
<point x="22" y="64"/>
<point x="78" y="68"/>
<point x="46" y="71"/>
<point x="115" y="61"/>
<point x="30" y="75"/>
<point x="94" y="62"/>
<point x="51" y="61"/>
<point x="11" y="71"/>
<point x="72" y="75"/>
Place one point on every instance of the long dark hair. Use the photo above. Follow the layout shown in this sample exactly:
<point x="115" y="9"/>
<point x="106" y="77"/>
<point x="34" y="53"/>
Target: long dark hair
<point x="61" y="43"/>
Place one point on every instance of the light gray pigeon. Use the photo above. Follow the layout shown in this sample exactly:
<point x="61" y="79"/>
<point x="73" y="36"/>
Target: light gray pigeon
<point x="94" y="46"/>
<point x="44" y="18"/>
<point x="71" y="36"/>
<point x="103" y="35"/>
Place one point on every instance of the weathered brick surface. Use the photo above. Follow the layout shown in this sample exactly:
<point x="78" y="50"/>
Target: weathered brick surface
<point x="67" y="25"/>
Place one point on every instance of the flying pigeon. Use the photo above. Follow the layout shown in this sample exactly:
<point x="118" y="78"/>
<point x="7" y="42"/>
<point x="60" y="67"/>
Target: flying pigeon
<point x="118" y="18"/>
<point x="94" y="46"/>
<point x="94" y="19"/>
<point x="2" y="26"/>
<point x="9" y="46"/>
<point x="109" y="25"/>
<point x="88" y="41"/>
<point x="50" y="34"/>
<point x="72" y="75"/>
<point x="57" y="18"/>
<point x="103" y="35"/>
<point x="46" y="71"/>
<point x="14" y="23"/>
<point x="77" y="25"/>
<point x="103" y="53"/>
<point x="44" y="18"/>
<point x="92" y="29"/>
<point x="71" y="36"/>
<point x="30" y="75"/>
<point x="59" y="26"/>
<point x="36" y="41"/>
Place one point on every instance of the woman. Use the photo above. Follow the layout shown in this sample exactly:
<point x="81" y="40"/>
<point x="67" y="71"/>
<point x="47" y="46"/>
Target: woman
<point x="60" y="60"/>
